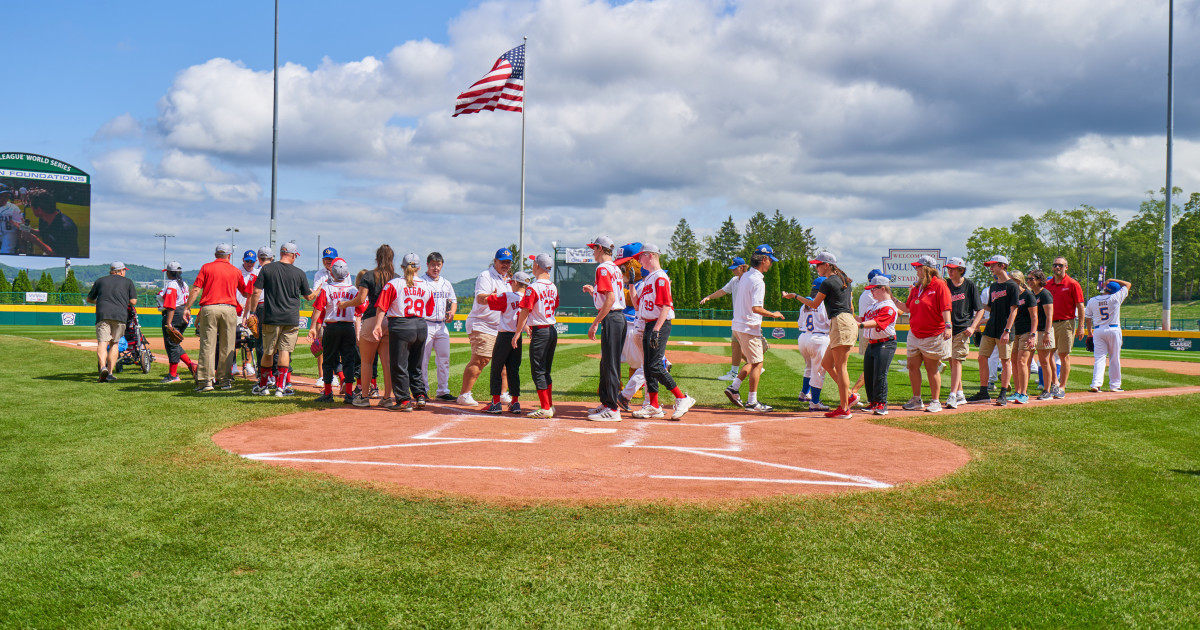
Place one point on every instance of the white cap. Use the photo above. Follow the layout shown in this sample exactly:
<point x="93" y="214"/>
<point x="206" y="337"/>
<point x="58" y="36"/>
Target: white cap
<point x="651" y="248"/>
<point x="289" y="248"/>
<point x="116" y="266"/>
<point x="998" y="258"/>
<point x="410" y="259"/>
<point x="955" y="261"/>
<point x="824" y="257"/>
<point x="523" y="277"/>
<point x="602" y="241"/>
<point x="224" y="248"/>
<point x="339" y="269"/>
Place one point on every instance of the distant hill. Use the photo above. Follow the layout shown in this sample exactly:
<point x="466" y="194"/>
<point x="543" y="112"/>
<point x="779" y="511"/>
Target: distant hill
<point x="87" y="274"/>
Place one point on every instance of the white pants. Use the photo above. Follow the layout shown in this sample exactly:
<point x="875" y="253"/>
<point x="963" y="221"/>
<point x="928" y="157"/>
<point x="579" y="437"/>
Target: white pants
<point x="632" y="354"/>
<point x="813" y="346"/>
<point x="437" y="339"/>
<point x="994" y="366"/>
<point x="1108" y="345"/>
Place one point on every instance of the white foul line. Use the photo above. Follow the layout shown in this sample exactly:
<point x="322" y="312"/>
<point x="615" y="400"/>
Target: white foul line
<point x="761" y="480"/>
<point x="861" y="480"/>
<point x="366" y="463"/>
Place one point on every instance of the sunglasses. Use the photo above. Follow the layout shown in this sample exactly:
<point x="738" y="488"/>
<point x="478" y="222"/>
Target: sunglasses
<point x="1057" y="266"/>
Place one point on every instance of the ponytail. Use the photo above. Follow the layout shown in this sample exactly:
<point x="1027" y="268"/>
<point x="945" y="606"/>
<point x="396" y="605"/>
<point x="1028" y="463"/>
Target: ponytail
<point x="410" y="273"/>
<point x="841" y="274"/>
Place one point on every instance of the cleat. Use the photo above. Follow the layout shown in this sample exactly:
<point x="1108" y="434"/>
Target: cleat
<point x="494" y="408"/>
<point x="1115" y="389"/>
<point x="515" y="408"/>
<point x="649" y="412"/>
<point x="404" y="405"/>
<point x="261" y="390"/>
<point x="325" y="398"/>
<point x="804" y="397"/>
<point x="758" y="407"/>
<point x="169" y="379"/>
<point x="336" y="382"/>
<point x="623" y="403"/>
<point x="506" y="398"/>
<point x="420" y="403"/>
<point x="933" y="407"/>
<point x="915" y="404"/>
<point x="541" y="414"/>
<point x="1095" y="389"/>
<point x="359" y="401"/>
<point x="447" y="397"/>
<point x="880" y="410"/>
<point x="374" y="392"/>
<point x="816" y="406"/>
<point x="286" y="390"/>
<point x="840" y="414"/>
<point x="348" y="399"/>
<point x="608" y="415"/>
<point x="682" y="405"/>
<point x="980" y="396"/>
<point x="734" y="396"/>
<point x="467" y="400"/>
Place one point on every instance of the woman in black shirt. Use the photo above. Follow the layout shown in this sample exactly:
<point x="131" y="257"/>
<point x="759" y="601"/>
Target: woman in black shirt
<point x="1044" y="333"/>
<point x="370" y="285"/>
<point x="837" y="296"/>
<point x="1023" y="343"/>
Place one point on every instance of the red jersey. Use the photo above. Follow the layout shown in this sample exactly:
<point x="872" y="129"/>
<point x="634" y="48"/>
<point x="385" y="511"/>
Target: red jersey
<point x="509" y="305"/>
<point x="541" y="298"/>
<point x="221" y="283"/>
<point x="925" y="308"/>
<point x="400" y="300"/>
<point x="609" y="280"/>
<point x="330" y="295"/>
<point x="655" y="296"/>
<point x="1068" y="295"/>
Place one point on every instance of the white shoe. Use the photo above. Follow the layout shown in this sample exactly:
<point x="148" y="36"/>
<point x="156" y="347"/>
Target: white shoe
<point x="505" y="398"/>
<point x="682" y="405"/>
<point x="1115" y="389"/>
<point x="952" y="401"/>
<point x="816" y="406"/>
<point x="933" y="407"/>
<point x="468" y="400"/>
<point x="336" y="383"/>
<point x="649" y="412"/>
<point x="595" y="411"/>
<point x="728" y="376"/>
<point x="804" y="398"/>
<point x="915" y="404"/>
<point x="235" y="370"/>
<point x="607" y="415"/>
<point x="541" y="413"/>
<point x="248" y="370"/>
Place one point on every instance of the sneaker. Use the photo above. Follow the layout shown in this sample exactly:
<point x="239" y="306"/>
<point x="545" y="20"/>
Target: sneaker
<point x="952" y="401"/>
<point x="235" y="370"/>
<point x="467" y="400"/>
<point x="1002" y="399"/>
<point x="1059" y="393"/>
<point x="225" y="385"/>
<point x="816" y="406"/>
<point x="515" y="407"/>
<point x="914" y="404"/>
<point x="374" y="393"/>
<point x="1115" y="389"/>
<point x="804" y="397"/>
<point x="447" y="397"/>
<point x="388" y="403"/>
<point x="1022" y="399"/>
<point x="506" y="398"/>
<point x="104" y="374"/>
<point x="495" y="408"/>
<point x="348" y="399"/>
<point x="359" y="401"/>
<point x="880" y="409"/>
<point x="855" y="401"/>
<point x="204" y="387"/>
<point x="840" y="414"/>
<point x="110" y="378"/>
<point x="543" y="414"/>
<point x="248" y="371"/>
<point x="728" y="376"/>
<point x="169" y="379"/>
<point x="1045" y="395"/>
<point x="980" y="396"/>
<point x="420" y="402"/>
<point x="682" y="405"/>
<point x="286" y="390"/>
<point x="649" y="412"/>
<point x="608" y="415"/>
<point x="733" y="395"/>
<point x="336" y="383"/>
<point x="325" y="398"/>
<point x="933" y="407"/>
<point x="261" y="390"/>
<point x="403" y="405"/>
<point x="595" y="410"/>
<point x="1095" y="389"/>
<point x="623" y="403"/>
<point x="759" y="407"/>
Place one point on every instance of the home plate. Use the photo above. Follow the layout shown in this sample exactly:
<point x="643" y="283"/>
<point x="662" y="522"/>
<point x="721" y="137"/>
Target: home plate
<point x="592" y="430"/>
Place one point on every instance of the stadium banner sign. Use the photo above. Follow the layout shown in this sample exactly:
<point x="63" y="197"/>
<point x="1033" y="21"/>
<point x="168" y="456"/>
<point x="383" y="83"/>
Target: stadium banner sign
<point x="36" y="296"/>
<point x="578" y="255"/>
<point x="898" y="264"/>
<point x="45" y="207"/>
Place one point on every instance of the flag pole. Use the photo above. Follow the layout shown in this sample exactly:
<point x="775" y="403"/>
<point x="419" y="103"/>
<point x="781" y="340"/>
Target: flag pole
<point x="524" y="97"/>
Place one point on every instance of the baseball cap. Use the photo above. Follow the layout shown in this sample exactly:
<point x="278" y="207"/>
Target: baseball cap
<point x="998" y="258"/>
<point x="925" y="261"/>
<point x="876" y="272"/>
<point x="955" y="262"/>
<point x="503" y="254"/>
<point x="651" y="248"/>
<point x="523" y="277"/>
<point x="602" y="241"/>
<point x="224" y="248"/>
<point x="817" y="282"/>
<point x="737" y="262"/>
<point x="339" y="269"/>
<point x="265" y="252"/>
<point x="249" y="256"/>
<point x="5" y="190"/>
<point x="544" y="261"/>
<point x="174" y="266"/>
<point x="410" y="259"/>
<point x="1112" y="287"/>
<point x="766" y="250"/>
<point x="625" y="253"/>
<point x="116" y="266"/>
<point x="824" y="257"/>
<point x="329" y="252"/>
<point x="289" y="248"/>
<point x="879" y="281"/>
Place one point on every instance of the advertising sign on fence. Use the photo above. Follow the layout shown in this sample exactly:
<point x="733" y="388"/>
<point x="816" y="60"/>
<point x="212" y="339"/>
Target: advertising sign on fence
<point x="898" y="264"/>
<point x="36" y="296"/>
<point x="578" y="255"/>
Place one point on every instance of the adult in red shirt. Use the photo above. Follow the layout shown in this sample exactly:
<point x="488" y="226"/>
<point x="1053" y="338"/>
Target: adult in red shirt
<point x="929" y="332"/>
<point x="1068" y="317"/>
<point x="217" y="286"/>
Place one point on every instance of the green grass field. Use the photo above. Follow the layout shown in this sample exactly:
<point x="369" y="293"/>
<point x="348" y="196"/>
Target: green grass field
<point x="120" y="512"/>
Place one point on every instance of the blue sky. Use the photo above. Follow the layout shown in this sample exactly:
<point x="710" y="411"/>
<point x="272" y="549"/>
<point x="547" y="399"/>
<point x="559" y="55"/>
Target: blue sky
<point x="879" y="124"/>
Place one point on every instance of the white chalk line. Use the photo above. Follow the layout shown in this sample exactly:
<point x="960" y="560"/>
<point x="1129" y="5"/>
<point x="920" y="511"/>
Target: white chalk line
<point x="369" y="463"/>
<point x="733" y="436"/>
<point x="358" y="448"/>
<point x="812" y="482"/>
<point x="708" y="453"/>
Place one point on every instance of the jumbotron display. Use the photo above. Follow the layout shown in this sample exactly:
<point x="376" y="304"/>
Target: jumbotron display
<point x="45" y="207"/>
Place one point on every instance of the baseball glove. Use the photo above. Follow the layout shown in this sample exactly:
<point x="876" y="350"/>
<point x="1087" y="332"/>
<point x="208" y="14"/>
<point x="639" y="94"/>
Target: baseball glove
<point x="1090" y="344"/>
<point x="174" y="334"/>
<point x="653" y="338"/>
<point x="252" y="325"/>
<point x="315" y="348"/>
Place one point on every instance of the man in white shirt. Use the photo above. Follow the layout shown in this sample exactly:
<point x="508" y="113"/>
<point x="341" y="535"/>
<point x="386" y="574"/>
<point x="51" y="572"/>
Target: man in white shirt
<point x="748" y="313"/>
<point x="1102" y="318"/>
<point x="738" y="268"/>
<point x="483" y="323"/>
<point x="445" y="304"/>
<point x="608" y="294"/>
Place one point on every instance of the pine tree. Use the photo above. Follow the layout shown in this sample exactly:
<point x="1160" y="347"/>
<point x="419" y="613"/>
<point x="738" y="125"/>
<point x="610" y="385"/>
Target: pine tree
<point x="70" y="285"/>
<point x="45" y="283"/>
<point x="693" y="284"/>
<point x="758" y="232"/>
<point x="683" y="242"/>
<point x="5" y="287"/>
<point x="725" y="244"/>
<point x="772" y="298"/>
<point x="22" y="284"/>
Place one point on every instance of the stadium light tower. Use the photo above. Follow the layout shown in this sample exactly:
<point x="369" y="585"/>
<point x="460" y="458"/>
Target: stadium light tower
<point x="164" y="237"/>
<point x="1166" y="270"/>
<point x="232" y="231"/>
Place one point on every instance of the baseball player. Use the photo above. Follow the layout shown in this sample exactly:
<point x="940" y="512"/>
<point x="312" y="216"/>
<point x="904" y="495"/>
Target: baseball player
<point x="738" y="267"/>
<point x="406" y="300"/>
<point x="437" y="342"/>
<point x="328" y="255"/>
<point x="12" y="219"/>
<point x="631" y="353"/>
<point x="335" y="326"/>
<point x="538" y="305"/>
<point x="1103" y="321"/>
<point x="879" y="323"/>
<point x="506" y="358"/>
<point x="170" y="302"/>
<point x="654" y="305"/>
<point x="748" y="313"/>
<point x="249" y="271"/>
<point x="865" y="301"/>
<point x="608" y="294"/>
<point x="813" y="341"/>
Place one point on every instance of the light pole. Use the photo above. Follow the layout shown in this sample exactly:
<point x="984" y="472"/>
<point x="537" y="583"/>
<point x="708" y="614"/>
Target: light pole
<point x="232" y="231"/>
<point x="164" y="238"/>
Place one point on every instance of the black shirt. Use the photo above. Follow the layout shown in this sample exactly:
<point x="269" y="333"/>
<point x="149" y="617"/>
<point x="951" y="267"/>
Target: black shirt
<point x="61" y="235"/>
<point x="373" y="291"/>
<point x="1025" y="301"/>
<point x="1043" y="298"/>
<point x="283" y="285"/>
<point x="838" y="297"/>
<point x="112" y="294"/>
<point x="1002" y="297"/>
<point x="964" y="304"/>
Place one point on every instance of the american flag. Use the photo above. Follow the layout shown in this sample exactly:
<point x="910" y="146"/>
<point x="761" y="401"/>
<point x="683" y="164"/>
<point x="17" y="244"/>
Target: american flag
<point x="502" y="88"/>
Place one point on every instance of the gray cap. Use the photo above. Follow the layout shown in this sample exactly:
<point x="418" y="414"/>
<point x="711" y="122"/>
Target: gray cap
<point x="266" y="252"/>
<point x="926" y="261"/>
<point x="523" y="277"/>
<point x="602" y="241"/>
<point x="998" y="258"/>
<point x="339" y="270"/>
<point x="881" y="280"/>
<point x="289" y="248"/>
<point x="410" y="259"/>
<point x="173" y="266"/>
<point x="224" y="248"/>
<point x="116" y="266"/>
<point x="651" y="248"/>
<point x="955" y="262"/>
<point x="544" y="261"/>
<point x="824" y="257"/>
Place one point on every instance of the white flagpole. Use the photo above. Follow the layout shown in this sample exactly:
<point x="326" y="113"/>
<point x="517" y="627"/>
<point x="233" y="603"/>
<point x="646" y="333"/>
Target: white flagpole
<point x="524" y="101"/>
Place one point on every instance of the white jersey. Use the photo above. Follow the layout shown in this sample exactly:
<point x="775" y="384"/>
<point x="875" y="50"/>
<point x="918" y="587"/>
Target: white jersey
<point x="637" y="325"/>
<point x="443" y="292"/>
<point x="509" y="306"/>
<point x="174" y="296"/>
<point x="609" y="280"/>
<point x="482" y="318"/>
<point x="1105" y="309"/>
<point x="400" y="300"/>
<point x="11" y="220"/>
<point x="655" y="296"/>
<point x="814" y="321"/>
<point x="248" y="277"/>
<point x="751" y="291"/>
<point x="541" y="298"/>
<point x="865" y="302"/>
<point x="331" y="294"/>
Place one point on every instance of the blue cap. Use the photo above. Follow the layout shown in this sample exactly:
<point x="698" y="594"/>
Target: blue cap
<point x="766" y="249"/>
<point x="876" y="272"/>
<point x="503" y="254"/>
<point x="626" y="253"/>
<point x="329" y="252"/>
<point x="737" y="262"/>
<point x="817" y="282"/>
<point x="250" y="256"/>
<point x="645" y="272"/>
<point x="1112" y="287"/>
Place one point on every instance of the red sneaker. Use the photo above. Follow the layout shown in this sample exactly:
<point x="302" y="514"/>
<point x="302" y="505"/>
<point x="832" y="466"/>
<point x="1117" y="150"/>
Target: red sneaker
<point x="854" y="400"/>
<point x="836" y="413"/>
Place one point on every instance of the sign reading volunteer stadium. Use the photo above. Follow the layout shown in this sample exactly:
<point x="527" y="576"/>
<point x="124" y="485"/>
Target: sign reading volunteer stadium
<point x="898" y="264"/>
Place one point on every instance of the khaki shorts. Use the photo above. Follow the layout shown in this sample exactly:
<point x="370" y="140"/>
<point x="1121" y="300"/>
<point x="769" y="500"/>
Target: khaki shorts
<point x="843" y="330"/>
<point x="751" y="346"/>
<point x="960" y="346"/>
<point x="482" y="344"/>
<point x="1045" y="342"/>
<point x="862" y="342"/>
<point x="109" y="330"/>
<point x="935" y="347"/>
<point x="366" y="331"/>
<point x="279" y="338"/>
<point x="1064" y="335"/>
<point x="736" y="358"/>
<point x="1022" y="342"/>
<point x="987" y="344"/>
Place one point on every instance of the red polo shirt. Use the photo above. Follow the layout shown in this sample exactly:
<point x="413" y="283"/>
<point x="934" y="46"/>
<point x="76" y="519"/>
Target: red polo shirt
<point x="220" y="281"/>
<point x="1067" y="297"/>
<point x="926" y="307"/>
